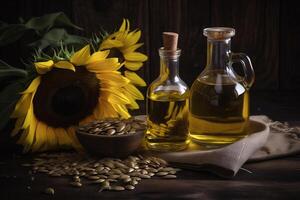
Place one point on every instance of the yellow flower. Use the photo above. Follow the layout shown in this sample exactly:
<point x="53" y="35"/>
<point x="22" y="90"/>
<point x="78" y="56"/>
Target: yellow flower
<point x="72" y="92"/>
<point x="123" y="44"/>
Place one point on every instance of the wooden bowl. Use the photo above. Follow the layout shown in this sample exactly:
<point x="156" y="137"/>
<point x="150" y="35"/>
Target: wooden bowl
<point x="110" y="146"/>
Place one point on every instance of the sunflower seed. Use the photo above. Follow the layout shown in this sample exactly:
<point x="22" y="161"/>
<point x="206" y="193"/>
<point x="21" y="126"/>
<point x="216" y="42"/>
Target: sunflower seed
<point x="170" y="176"/>
<point x="166" y="169"/>
<point x="134" y="182"/>
<point x="98" y="181"/>
<point x="93" y="177"/>
<point x="49" y="191"/>
<point x="117" y="188"/>
<point x="76" y="184"/>
<point x="124" y="176"/>
<point x="144" y="176"/>
<point x="108" y="173"/>
<point x="129" y="187"/>
<point x="162" y="173"/>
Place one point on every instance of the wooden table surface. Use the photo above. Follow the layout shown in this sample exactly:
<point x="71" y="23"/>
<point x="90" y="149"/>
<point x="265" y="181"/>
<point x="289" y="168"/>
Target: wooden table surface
<point x="273" y="179"/>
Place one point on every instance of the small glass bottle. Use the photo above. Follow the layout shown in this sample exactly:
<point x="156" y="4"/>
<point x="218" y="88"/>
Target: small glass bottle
<point x="167" y="102"/>
<point x="219" y="98"/>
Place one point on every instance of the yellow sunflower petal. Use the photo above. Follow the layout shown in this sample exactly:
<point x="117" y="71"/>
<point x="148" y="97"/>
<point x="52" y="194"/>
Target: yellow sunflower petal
<point x="98" y="56"/>
<point x="132" y="48"/>
<point x="18" y="126"/>
<point x="43" y="67"/>
<point x="65" y="65"/>
<point x="29" y="117"/>
<point x="104" y="110"/>
<point x="24" y="140"/>
<point x="22" y="106"/>
<point x="132" y="104"/>
<point x="22" y="137"/>
<point x="128" y="25"/>
<point x="122" y="110"/>
<point x="52" y="138"/>
<point x="29" y="133"/>
<point x="75" y="142"/>
<point x="41" y="129"/>
<point x="134" y="91"/>
<point x="134" y="66"/>
<point x="87" y="119"/>
<point x="135" y="56"/>
<point x="123" y="26"/>
<point x="40" y="137"/>
<point x="63" y="139"/>
<point x="118" y="98"/>
<point x="134" y="78"/>
<point x="113" y="78"/>
<point x="111" y="43"/>
<point x="133" y="37"/>
<point x="33" y="85"/>
<point x="109" y="64"/>
<point x="81" y="57"/>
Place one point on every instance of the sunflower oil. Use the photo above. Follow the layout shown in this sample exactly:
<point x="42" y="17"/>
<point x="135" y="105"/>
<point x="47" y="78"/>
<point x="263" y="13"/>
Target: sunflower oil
<point x="219" y="113"/>
<point x="167" y="123"/>
<point x="167" y="102"/>
<point x="219" y="97"/>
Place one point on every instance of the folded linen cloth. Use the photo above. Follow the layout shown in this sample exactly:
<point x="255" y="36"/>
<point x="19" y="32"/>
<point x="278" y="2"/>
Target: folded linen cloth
<point x="283" y="140"/>
<point x="266" y="140"/>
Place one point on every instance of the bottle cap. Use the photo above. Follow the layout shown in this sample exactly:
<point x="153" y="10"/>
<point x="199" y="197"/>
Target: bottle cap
<point x="219" y="33"/>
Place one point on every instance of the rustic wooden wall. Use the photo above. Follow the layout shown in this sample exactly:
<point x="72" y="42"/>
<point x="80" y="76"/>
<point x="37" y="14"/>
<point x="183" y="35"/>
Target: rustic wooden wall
<point x="267" y="30"/>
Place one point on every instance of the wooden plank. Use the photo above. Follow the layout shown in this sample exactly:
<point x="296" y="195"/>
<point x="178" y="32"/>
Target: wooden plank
<point x="188" y="19"/>
<point x="273" y="179"/>
<point x="289" y="46"/>
<point x="257" y="34"/>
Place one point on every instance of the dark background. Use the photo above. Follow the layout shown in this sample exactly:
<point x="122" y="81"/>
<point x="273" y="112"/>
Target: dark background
<point x="267" y="30"/>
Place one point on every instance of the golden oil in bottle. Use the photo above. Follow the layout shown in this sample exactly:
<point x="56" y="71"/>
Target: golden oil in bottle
<point x="167" y="123"/>
<point x="219" y="97"/>
<point x="219" y="113"/>
<point x="167" y="102"/>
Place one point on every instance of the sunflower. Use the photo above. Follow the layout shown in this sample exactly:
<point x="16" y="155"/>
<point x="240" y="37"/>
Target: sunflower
<point x="123" y="44"/>
<point x="73" y="91"/>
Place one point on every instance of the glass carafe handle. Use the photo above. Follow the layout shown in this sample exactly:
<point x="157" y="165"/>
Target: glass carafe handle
<point x="247" y="67"/>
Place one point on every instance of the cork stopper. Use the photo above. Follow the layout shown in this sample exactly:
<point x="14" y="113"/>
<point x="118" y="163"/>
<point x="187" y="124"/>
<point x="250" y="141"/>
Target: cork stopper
<point x="170" y="40"/>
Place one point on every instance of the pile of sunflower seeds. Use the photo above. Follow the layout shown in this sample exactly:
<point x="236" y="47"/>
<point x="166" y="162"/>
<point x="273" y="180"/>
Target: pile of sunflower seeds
<point x="113" y="126"/>
<point x="107" y="173"/>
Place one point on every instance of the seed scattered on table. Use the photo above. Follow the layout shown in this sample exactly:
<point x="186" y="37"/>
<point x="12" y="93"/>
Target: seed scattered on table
<point x="108" y="173"/>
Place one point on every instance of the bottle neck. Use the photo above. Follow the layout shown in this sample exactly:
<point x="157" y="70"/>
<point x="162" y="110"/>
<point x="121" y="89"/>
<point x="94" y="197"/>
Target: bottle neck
<point x="218" y="53"/>
<point x="169" y="64"/>
<point x="169" y="68"/>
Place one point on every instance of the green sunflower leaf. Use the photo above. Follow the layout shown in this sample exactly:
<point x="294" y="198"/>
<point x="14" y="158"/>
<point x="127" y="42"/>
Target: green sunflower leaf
<point x="55" y="37"/>
<point x="50" y="20"/>
<point x="10" y="33"/>
<point x="9" y="97"/>
<point x="8" y="72"/>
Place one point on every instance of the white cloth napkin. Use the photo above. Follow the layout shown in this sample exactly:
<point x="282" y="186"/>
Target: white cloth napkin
<point x="267" y="139"/>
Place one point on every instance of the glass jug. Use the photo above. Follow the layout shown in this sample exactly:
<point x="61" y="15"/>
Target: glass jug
<point x="219" y="97"/>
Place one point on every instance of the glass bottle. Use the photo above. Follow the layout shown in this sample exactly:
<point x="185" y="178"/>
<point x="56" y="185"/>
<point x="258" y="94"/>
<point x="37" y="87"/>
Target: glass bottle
<point x="167" y="106"/>
<point x="219" y="98"/>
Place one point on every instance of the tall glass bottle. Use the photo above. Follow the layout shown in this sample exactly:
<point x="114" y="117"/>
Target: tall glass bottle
<point x="219" y="99"/>
<point x="167" y="103"/>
